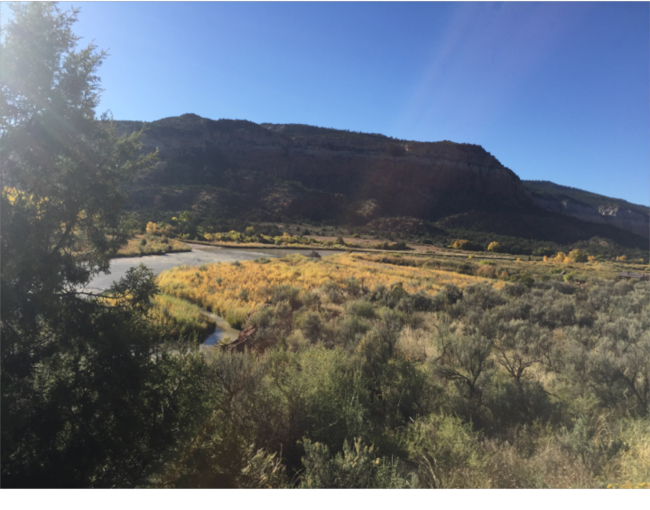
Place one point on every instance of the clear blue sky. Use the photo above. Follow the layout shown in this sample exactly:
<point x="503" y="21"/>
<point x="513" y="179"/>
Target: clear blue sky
<point x="556" y="91"/>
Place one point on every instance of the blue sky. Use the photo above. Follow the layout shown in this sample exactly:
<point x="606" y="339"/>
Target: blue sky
<point x="556" y="91"/>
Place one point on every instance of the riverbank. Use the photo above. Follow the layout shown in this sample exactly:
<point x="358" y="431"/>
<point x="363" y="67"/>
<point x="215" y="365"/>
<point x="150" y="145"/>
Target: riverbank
<point x="148" y="244"/>
<point x="262" y="246"/>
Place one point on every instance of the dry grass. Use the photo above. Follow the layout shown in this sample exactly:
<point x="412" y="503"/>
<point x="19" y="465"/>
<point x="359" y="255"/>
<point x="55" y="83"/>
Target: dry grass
<point x="235" y="289"/>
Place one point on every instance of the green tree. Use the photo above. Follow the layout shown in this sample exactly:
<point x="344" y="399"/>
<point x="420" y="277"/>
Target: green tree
<point x="578" y="255"/>
<point x="88" y="398"/>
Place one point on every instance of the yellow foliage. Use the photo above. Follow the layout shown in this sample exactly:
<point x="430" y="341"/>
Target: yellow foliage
<point x="460" y="244"/>
<point x="622" y="258"/>
<point x="560" y="257"/>
<point x="629" y="485"/>
<point x="494" y="246"/>
<point x="13" y="194"/>
<point x="219" y="287"/>
<point x="152" y="228"/>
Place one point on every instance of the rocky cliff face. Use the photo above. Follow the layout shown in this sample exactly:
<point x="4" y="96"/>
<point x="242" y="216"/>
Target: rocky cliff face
<point x="293" y="170"/>
<point x="591" y="207"/>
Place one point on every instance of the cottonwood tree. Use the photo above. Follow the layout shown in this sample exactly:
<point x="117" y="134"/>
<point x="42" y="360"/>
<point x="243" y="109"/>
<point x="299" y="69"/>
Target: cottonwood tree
<point x="85" y="401"/>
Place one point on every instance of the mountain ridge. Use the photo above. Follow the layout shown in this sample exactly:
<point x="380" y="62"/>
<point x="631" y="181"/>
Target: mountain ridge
<point x="277" y="172"/>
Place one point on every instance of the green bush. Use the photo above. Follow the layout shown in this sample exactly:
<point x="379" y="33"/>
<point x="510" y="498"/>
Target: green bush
<point x="446" y="451"/>
<point x="356" y="467"/>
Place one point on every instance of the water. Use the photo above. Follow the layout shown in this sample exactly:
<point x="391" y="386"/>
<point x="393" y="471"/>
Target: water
<point x="223" y="329"/>
<point x="214" y="338"/>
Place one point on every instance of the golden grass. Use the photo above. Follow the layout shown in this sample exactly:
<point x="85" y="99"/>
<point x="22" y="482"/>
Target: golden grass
<point x="228" y="288"/>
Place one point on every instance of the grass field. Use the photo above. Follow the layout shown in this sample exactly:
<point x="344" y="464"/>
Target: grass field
<point x="233" y="290"/>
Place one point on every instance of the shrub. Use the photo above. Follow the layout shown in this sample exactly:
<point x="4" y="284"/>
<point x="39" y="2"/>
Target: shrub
<point x="486" y="271"/>
<point x="236" y="317"/>
<point x="351" y="330"/>
<point x="360" y="308"/>
<point x="464" y="244"/>
<point x="152" y="228"/>
<point x="524" y="278"/>
<point x="287" y="293"/>
<point x="356" y="467"/>
<point x="578" y="256"/>
<point x="400" y="245"/>
<point x="562" y="258"/>
<point x="494" y="246"/>
<point x="452" y="293"/>
<point x="311" y="326"/>
<point x="333" y="292"/>
<point x="261" y="318"/>
<point x="353" y="287"/>
<point x="446" y="452"/>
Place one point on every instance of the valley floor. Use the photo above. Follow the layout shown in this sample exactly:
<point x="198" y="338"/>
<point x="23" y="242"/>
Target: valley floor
<point x="418" y="370"/>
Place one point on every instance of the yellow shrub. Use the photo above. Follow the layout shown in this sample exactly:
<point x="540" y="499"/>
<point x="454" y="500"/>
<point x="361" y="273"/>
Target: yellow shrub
<point x="494" y="246"/>
<point x="152" y="228"/>
<point x="560" y="257"/>
<point x="219" y="286"/>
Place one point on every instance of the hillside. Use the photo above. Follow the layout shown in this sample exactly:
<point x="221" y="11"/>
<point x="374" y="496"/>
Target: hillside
<point x="590" y="207"/>
<point x="236" y="169"/>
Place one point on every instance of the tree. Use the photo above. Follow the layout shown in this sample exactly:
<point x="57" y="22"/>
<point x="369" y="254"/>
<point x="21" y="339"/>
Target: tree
<point x="578" y="255"/>
<point x="494" y="246"/>
<point x="86" y="401"/>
